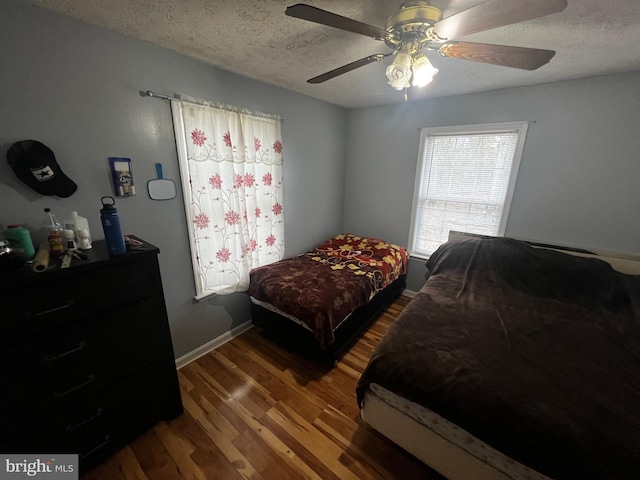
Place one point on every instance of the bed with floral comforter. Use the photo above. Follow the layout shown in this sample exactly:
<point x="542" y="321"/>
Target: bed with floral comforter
<point x="320" y="289"/>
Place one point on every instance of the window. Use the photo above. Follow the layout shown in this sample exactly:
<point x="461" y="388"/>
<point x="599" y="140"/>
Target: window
<point x="464" y="182"/>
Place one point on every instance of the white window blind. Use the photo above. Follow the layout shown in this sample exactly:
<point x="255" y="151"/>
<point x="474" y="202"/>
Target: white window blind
<point x="464" y="182"/>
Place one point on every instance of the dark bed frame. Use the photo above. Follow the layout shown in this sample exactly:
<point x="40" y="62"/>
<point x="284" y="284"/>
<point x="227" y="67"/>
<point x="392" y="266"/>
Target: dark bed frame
<point x="295" y="337"/>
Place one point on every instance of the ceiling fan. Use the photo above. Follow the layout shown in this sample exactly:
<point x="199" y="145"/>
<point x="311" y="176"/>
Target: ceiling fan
<point x="419" y="27"/>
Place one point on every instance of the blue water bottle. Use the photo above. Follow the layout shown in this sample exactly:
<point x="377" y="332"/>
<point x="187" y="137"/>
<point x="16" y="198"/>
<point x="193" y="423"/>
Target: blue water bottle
<point x="111" y="227"/>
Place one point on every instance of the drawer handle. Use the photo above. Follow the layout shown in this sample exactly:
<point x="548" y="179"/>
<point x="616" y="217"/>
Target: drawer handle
<point x="66" y="304"/>
<point x="106" y="440"/>
<point x="71" y="428"/>
<point x="89" y="380"/>
<point x="51" y="358"/>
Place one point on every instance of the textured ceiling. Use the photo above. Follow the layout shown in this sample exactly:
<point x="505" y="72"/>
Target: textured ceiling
<point x="255" y="39"/>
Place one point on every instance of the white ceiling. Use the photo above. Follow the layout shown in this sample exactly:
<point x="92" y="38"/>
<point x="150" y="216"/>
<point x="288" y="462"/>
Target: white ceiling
<point x="255" y="39"/>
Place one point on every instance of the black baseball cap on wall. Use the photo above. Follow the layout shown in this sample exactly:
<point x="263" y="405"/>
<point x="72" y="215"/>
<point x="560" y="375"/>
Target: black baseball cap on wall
<point x="34" y="164"/>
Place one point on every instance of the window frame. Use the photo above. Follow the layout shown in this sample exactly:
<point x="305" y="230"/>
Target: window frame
<point x="423" y="164"/>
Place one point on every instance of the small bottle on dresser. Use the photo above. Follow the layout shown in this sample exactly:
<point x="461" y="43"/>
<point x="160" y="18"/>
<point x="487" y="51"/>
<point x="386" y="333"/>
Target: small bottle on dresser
<point x="56" y="242"/>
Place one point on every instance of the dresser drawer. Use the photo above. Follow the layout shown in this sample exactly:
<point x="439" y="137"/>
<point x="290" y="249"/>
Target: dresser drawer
<point x="39" y="307"/>
<point x="53" y="371"/>
<point x="108" y="417"/>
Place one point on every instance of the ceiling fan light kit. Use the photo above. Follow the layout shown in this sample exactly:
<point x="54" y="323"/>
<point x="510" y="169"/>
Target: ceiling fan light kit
<point x="405" y="67"/>
<point x="418" y="27"/>
<point x="423" y="71"/>
<point x="399" y="72"/>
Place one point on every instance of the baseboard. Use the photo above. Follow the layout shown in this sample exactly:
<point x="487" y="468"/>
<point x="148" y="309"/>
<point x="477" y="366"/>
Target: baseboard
<point x="409" y="293"/>
<point x="213" y="344"/>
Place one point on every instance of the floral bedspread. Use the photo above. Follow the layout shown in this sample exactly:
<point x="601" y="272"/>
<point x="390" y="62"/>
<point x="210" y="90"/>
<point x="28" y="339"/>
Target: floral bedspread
<point x="320" y="288"/>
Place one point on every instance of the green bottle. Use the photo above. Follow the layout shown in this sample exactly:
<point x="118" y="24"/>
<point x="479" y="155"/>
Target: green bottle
<point x="20" y="241"/>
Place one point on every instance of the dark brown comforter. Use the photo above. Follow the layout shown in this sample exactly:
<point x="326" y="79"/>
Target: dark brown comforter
<point x="323" y="286"/>
<point x="535" y="352"/>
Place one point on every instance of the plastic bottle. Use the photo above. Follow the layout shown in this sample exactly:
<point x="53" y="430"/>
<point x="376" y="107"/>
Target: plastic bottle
<point x="68" y="236"/>
<point x="84" y="239"/>
<point x="77" y="223"/>
<point x="20" y="241"/>
<point x="56" y="242"/>
<point x="111" y="227"/>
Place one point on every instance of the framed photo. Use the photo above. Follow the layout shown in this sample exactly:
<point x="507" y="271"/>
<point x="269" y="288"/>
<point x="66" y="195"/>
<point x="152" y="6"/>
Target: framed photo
<point x="122" y="175"/>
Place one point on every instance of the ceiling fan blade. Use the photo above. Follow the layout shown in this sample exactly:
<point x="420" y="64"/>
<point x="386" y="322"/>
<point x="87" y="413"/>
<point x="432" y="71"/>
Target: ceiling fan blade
<point x="494" y="14"/>
<point x="349" y="67"/>
<point x="317" y="15"/>
<point x="503" y="55"/>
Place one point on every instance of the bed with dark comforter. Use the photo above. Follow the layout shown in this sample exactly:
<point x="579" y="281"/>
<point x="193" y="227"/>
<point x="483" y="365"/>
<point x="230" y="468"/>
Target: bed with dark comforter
<point x="330" y="292"/>
<point x="533" y="351"/>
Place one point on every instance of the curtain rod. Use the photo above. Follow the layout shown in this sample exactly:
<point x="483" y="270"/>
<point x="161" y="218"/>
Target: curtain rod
<point x="149" y="93"/>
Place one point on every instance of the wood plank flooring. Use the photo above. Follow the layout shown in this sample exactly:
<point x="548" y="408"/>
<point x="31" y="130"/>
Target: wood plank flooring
<point x="254" y="410"/>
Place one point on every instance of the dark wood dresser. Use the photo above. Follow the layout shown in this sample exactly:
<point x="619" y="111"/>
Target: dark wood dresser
<point x="86" y="360"/>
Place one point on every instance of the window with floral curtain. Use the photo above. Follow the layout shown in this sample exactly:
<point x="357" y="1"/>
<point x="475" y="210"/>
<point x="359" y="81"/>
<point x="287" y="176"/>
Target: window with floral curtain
<point x="231" y="173"/>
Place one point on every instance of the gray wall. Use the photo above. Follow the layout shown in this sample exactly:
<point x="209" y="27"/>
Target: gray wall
<point x="75" y="87"/>
<point x="579" y="179"/>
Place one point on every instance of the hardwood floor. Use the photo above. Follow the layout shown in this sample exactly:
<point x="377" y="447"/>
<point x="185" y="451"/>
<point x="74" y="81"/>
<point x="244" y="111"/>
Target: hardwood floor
<point x="255" y="410"/>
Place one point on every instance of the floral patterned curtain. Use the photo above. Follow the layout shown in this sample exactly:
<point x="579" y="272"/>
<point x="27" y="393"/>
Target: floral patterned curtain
<point x="231" y="172"/>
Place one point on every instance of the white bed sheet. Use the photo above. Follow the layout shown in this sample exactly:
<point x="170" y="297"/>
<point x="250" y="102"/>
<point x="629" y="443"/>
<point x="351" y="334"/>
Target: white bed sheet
<point x="442" y="445"/>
